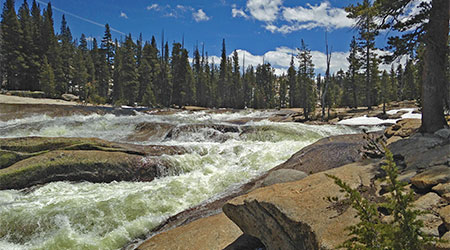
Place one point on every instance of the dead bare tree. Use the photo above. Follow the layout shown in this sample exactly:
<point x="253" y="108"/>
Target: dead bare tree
<point x="327" y="78"/>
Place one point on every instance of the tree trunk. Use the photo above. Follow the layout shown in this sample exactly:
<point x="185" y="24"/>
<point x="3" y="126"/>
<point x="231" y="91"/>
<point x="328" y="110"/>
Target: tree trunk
<point x="434" y="73"/>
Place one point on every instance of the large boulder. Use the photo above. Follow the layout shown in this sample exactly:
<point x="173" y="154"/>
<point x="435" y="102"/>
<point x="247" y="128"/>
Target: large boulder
<point x="329" y="153"/>
<point x="432" y="177"/>
<point x="403" y="128"/>
<point x="421" y="151"/>
<point x="297" y="215"/>
<point x="445" y="215"/>
<point x="29" y="161"/>
<point x="213" y="232"/>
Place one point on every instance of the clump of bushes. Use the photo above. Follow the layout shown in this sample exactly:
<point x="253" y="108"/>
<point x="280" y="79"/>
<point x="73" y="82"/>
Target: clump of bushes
<point x="372" y="232"/>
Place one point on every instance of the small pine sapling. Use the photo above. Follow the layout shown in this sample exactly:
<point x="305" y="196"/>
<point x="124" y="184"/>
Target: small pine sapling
<point x="402" y="232"/>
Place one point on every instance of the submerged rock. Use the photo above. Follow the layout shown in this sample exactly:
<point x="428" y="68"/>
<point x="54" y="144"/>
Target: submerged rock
<point x="150" y="132"/>
<point x="29" y="161"/>
<point x="211" y="131"/>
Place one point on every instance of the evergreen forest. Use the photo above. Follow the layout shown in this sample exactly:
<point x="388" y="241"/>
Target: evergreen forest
<point x="157" y="74"/>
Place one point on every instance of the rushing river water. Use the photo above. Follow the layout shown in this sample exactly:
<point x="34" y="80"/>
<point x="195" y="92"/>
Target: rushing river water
<point x="63" y="215"/>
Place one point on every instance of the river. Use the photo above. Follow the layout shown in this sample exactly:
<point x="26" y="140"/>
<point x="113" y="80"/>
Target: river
<point x="64" y="215"/>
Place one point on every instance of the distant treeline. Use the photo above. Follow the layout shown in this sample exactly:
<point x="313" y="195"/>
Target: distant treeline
<point x="139" y="72"/>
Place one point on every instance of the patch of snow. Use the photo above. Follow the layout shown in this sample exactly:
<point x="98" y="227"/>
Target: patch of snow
<point x="412" y="116"/>
<point x="375" y="121"/>
<point x="364" y="120"/>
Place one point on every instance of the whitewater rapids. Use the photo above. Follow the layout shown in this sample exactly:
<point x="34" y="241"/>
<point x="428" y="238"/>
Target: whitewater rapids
<point x="64" y="215"/>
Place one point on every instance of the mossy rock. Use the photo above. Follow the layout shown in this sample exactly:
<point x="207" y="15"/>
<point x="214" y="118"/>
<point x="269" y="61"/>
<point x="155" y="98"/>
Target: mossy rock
<point x="40" y="144"/>
<point x="45" y="144"/>
<point x="77" y="165"/>
<point x="29" y="161"/>
<point x="7" y="158"/>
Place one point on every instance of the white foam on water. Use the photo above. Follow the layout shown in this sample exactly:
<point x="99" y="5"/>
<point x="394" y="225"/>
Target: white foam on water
<point x="64" y="215"/>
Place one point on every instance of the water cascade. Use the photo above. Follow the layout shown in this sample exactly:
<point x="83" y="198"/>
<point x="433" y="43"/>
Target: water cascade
<point x="221" y="155"/>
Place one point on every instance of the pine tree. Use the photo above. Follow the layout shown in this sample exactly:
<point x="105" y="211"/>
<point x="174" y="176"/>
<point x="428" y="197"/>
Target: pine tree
<point x="51" y="49"/>
<point x="164" y="83"/>
<point x="283" y="92"/>
<point x="236" y="88"/>
<point x="385" y="90"/>
<point x="30" y="69"/>
<point x="117" y="93"/>
<point x="37" y="23"/>
<point x="146" y="83"/>
<point x="102" y="72"/>
<point x="107" y="46"/>
<point x="209" y="93"/>
<point x="250" y="80"/>
<point x="11" y="50"/>
<point x="66" y="53"/>
<point x="189" y="84"/>
<point x="222" y="84"/>
<point x="429" y="25"/>
<point x="47" y="78"/>
<point x="365" y="14"/>
<point x="292" y="83"/>
<point x="149" y="73"/>
<point x="400" y="82"/>
<point x="393" y="84"/>
<point x="306" y="90"/>
<point x="410" y="88"/>
<point x="80" y="77"/>
<point x="197" y="68"/>
<point x="265" y="86"/>
<point x="353" y="72"/>
<point x="128" y="75"/>
<point x="179" y="75"/>
<point x="214" y="85"/>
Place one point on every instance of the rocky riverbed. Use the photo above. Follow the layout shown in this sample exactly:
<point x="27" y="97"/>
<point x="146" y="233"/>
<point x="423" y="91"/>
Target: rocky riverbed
<point x="93" y="177"/>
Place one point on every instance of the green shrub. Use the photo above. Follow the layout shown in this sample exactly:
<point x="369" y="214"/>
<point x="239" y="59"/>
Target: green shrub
<point x="399" y="233"/>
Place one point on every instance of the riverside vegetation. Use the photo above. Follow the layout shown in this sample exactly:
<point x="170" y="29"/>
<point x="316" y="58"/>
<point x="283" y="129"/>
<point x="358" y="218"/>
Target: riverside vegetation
<point x="402" y="232"/>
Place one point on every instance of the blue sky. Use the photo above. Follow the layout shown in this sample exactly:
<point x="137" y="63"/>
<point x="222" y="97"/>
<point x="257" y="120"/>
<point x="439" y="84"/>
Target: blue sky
<point x="269" y="29"/>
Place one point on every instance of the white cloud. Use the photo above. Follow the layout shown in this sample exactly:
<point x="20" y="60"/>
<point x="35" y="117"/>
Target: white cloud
<point x="154" y="6"/>
<point x="235" y="12"/>
<point x="200" y="15"/>
<point x="281" y="19"/>
<point x="280" y="59"/>
<point x="312" y="16"/>
<point x="123" y="15"/>
<point x="264" y="10"/>
<point x="185" y="8"/>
